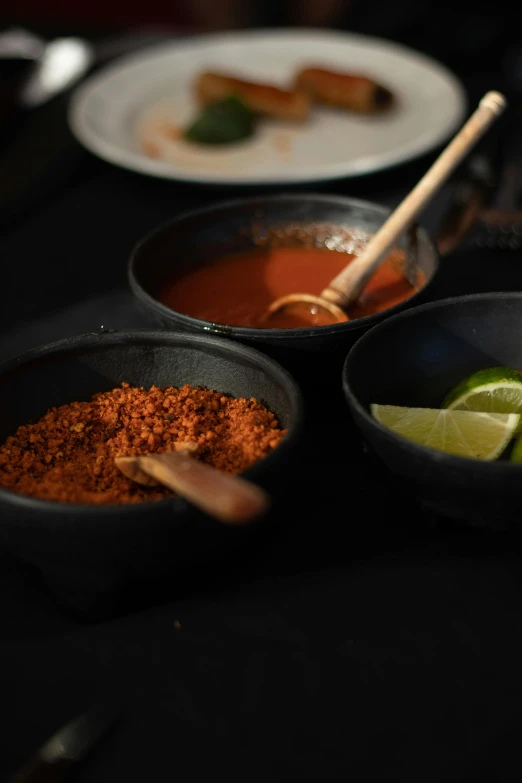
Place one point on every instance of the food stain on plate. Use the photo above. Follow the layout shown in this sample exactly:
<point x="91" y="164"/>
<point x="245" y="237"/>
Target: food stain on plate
<point x="283" y="144"/>
<point x="220" y="122"/>
<point x="159" y="135"/>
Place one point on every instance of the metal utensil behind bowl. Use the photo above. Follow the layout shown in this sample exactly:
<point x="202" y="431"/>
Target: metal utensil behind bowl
<point x="68" y="746"/>
<point x="56" y="65"/>
<point x="60" y="63"/>
<point x="38" y="153"/>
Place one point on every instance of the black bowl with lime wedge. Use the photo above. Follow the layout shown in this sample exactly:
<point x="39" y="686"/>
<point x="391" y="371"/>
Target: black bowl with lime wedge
<point x="417" y="359"/>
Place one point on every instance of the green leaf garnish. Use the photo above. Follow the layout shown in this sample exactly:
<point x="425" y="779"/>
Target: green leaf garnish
<point x="223" y="122"/>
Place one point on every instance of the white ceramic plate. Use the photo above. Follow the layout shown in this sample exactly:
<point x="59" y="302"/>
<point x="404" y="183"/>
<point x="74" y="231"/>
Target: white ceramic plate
<point x="141" y="101"/>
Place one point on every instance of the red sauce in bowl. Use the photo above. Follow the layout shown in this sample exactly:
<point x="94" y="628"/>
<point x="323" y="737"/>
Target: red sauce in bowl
<point x="237" y="289"/>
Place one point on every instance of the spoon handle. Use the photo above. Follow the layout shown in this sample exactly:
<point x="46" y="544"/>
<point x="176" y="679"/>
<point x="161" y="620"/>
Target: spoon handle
<point x="346" y="287"/>
<point x="228" y="498"/>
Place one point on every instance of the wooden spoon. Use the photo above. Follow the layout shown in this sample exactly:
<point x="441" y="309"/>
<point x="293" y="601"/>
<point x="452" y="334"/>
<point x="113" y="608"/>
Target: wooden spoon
<point x="231" y="499"/>
<point x="346" y="287"/>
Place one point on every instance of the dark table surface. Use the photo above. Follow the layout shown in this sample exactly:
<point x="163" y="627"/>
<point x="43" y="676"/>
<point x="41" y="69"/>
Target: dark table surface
<point x="362" y="641"/>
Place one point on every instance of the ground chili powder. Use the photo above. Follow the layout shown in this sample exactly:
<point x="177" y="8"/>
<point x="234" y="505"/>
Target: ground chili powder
<point x="68" y="455"/>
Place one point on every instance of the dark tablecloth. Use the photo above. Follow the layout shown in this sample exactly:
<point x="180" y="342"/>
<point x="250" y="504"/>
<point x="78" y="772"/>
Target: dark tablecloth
<point x="362" y="641"/>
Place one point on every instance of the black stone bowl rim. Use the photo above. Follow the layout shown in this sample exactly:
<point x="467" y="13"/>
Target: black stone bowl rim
<point x="251" y="332"/>
<point x="117" y="337"/>
<point x="416" y="450"/>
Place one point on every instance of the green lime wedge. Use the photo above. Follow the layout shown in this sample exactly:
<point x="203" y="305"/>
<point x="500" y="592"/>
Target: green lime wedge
<point x="516" y="451"/>
<point x="495" y="390"/>
<point x="471" y="434"/>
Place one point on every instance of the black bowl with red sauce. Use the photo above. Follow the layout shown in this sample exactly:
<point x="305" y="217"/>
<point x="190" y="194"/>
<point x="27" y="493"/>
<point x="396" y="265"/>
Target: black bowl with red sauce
<point x="102" y="559"/>
<point x="213" y="270"/>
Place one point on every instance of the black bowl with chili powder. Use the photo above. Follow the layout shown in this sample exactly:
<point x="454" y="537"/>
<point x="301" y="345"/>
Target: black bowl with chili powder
<point x="178" y="248"/>
<point x="102" y="555"/>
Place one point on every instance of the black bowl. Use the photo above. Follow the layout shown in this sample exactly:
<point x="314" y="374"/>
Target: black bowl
<point x="414" y="359"/>
<point x="103" y="556"/>
<point x="205" y="234"/>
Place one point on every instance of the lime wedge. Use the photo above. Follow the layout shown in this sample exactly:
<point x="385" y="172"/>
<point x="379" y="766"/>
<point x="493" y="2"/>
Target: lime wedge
<point x="495" y="390"/>
<point x="516" y="451"/>
<point x="469" y="434"/>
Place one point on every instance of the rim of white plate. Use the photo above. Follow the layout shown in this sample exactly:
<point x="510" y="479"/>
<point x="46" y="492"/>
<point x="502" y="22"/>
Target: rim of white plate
<point x="85" y="97"/>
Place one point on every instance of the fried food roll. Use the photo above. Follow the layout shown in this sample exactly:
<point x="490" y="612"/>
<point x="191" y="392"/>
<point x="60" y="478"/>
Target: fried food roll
<point x="344" y="90"/>
<point x="263" y="98"/>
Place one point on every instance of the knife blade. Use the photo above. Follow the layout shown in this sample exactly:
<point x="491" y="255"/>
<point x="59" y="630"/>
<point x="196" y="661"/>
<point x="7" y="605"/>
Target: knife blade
<point x="471" y="193"/>
<point x="67" y="746"/>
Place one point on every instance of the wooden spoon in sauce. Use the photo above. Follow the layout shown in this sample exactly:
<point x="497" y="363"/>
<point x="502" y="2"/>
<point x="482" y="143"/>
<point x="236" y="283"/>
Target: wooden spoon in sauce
<point x="230" y="499"/>
<point x="347" y="286"/>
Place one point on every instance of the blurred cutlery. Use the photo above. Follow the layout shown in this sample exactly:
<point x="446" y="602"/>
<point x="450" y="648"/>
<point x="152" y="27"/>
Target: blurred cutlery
<point x="37" y="150"/>
<point x="60" y="63"/>
<point x="16" y="42"/>
<point x="66" y="747"/>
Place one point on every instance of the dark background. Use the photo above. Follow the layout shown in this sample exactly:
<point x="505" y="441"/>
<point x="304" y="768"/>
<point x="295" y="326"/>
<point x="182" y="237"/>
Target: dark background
<point x="365" y="641"/>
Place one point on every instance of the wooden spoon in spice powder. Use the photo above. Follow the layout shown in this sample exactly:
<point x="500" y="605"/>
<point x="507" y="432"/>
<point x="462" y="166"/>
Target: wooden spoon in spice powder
<point x="230" y="499"/>
<point x="70" y="454"/>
